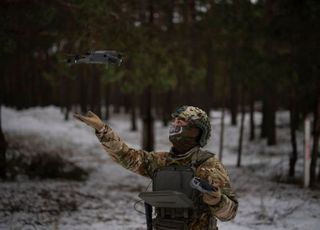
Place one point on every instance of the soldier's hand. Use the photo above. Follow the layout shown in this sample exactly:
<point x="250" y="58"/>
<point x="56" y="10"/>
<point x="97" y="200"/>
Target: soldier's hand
<point x="212" y="198"/>
<point x="91" y="120"/>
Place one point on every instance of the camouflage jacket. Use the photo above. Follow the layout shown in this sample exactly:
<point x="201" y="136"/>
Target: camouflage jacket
<point x="145" y="163"/>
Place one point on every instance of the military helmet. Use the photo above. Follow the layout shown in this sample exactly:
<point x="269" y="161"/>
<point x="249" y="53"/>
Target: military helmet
<point x="198" y="118"/>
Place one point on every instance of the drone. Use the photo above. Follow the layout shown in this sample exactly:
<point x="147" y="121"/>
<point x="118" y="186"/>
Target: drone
<point x="97" y="57"/>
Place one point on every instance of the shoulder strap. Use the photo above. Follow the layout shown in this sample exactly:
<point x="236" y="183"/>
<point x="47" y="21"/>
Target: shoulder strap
<point x="200" y="157"/>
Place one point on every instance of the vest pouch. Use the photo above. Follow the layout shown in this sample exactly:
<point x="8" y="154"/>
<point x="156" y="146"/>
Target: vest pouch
<point x="174" y="178"/>
<point x="167" y="199"/>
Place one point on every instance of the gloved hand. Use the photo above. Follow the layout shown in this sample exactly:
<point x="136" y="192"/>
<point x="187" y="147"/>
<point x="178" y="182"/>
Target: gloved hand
<point x="91" y="120"/>
<point x="212" y="198"/>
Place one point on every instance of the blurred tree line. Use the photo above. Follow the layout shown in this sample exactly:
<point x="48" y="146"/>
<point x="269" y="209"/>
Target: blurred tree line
<point x="208" y="53"/>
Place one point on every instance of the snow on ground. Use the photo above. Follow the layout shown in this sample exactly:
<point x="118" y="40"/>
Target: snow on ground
<point x="106" y="199"/>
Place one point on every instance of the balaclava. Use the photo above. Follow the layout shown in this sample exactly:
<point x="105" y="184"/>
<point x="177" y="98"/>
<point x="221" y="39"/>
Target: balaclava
<point x="184" y="138"/>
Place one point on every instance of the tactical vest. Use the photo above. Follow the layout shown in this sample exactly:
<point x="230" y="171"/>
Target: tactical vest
<point x="177" y="178"/>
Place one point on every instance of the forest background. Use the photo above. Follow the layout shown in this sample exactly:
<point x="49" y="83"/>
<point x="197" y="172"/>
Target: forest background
<point x="238" y="56"/>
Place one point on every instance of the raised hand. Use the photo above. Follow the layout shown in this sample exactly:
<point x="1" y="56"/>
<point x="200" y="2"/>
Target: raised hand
<point x="91" y="120"/>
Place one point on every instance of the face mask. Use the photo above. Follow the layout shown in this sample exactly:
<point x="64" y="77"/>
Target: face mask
<point x="183" y="138"/>
<point x="175" y="130"/>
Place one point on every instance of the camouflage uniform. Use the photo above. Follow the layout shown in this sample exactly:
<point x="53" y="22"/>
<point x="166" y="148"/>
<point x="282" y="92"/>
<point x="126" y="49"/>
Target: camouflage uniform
<point x="145" y="164"/>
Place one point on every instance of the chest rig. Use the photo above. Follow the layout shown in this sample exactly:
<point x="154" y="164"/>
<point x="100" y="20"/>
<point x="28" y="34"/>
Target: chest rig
<point x="175" y="202"/>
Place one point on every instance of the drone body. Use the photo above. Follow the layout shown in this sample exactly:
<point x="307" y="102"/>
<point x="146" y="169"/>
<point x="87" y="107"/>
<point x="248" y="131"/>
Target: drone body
<point x="97" y="57"/>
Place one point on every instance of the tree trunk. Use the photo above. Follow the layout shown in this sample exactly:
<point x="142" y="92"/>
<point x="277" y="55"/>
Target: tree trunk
<point x="221" y="133"/>
<point x="83" y="90"/>
<point x="126" y="104"/>
<point x="67" y="112"/>
<point x="147" y="120"/>
<point x="252" y="123"/>
<point x="315" y="149"/>
<point x="133" y="113"/>
<point x="270" y="57"/>
<point x="118" y="99"/>
<point x="147" y="117"/>
<point x="241" y="131"/>
<point x="224" y="93"/>
<point x="233" y="101"/>
<point x="167" y="108"/>
<point x="66" y="100"/>
<point x="264" y="123"/>
<point x="95" y="92"/>
<point x="271" y="130"/>
<point x="107" y="101"/>
<point x="209" y="77"/>
<point x="268" y="126"/>
<point x="293" y="128"/>
<point x="234" y="52"/>
<point x="167" y="103"/>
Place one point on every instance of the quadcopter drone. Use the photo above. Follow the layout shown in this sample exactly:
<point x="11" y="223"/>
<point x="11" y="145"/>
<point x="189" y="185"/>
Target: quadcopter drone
<point x="97" y="57"/>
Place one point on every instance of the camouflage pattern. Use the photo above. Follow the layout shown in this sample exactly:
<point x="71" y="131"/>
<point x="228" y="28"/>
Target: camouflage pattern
<point x="145" y="163"/>
<point x="198" y="118"/>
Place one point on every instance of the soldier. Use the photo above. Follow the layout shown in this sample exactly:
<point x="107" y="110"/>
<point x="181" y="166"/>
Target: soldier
<point x="189" y="131"/>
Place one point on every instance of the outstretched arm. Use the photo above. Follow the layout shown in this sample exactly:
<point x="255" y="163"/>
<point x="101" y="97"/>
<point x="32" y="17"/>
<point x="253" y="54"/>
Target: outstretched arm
<point x="137" y="161"/>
